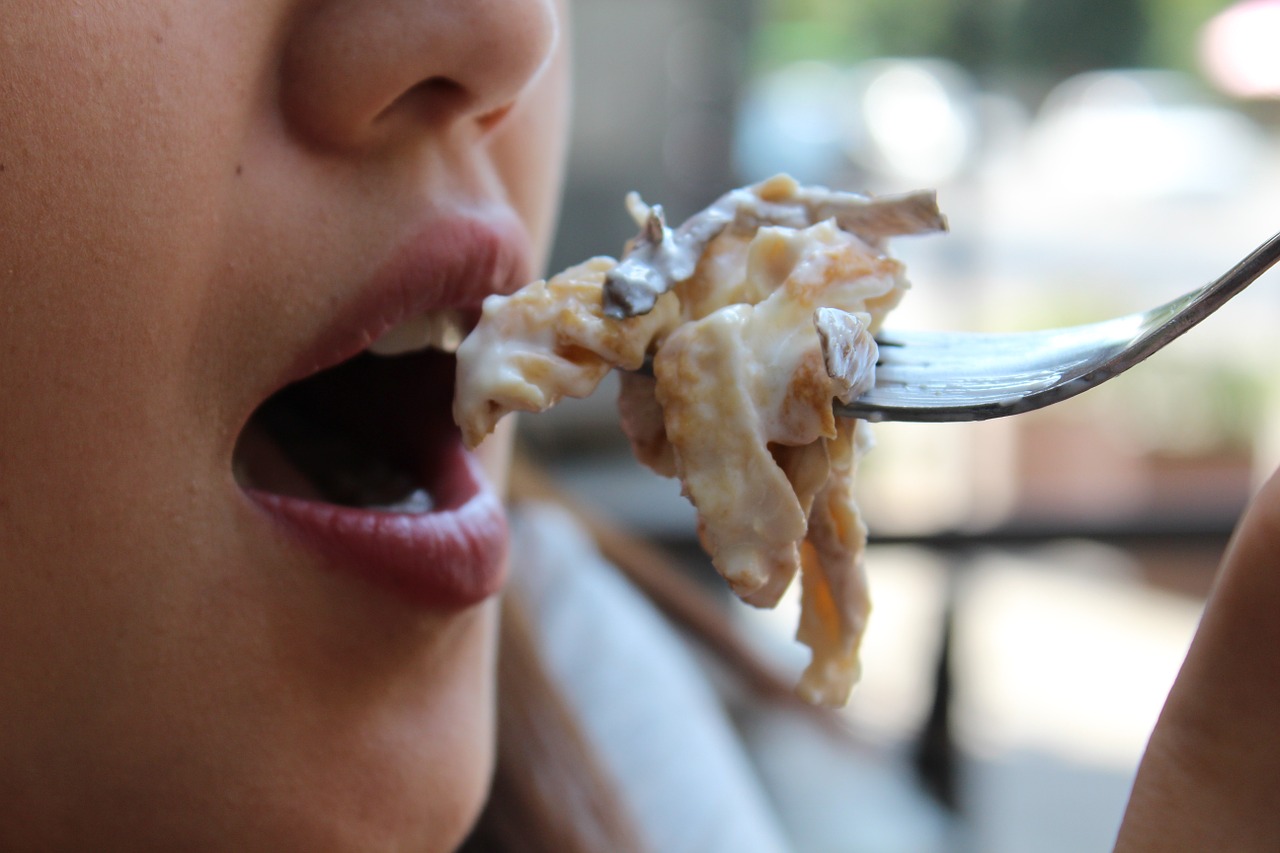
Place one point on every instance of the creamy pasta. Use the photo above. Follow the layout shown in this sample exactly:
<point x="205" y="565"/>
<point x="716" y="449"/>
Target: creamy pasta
<point x="756" y="315"/>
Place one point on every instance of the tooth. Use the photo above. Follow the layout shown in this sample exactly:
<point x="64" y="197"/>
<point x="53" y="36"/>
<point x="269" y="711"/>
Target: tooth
<point x="415" y="504"/>
<point x="443" y="330"/>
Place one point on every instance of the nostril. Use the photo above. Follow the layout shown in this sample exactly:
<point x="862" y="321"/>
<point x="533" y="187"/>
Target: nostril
<point x="435" y="96"/>
<point x="440" y="87"/>
<point x="441" y="97"/>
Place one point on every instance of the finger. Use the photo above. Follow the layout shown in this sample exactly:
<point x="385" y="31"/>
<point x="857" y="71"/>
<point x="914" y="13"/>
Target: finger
<point x="1210" y="778"/>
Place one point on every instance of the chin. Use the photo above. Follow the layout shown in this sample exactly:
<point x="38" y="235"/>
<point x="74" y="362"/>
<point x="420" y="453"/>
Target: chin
<point x="404" y="764"/>
<point x="410" y="810"/>
<point x="372" y="736"/>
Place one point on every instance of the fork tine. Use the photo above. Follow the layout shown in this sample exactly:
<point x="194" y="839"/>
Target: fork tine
<point x="963" y="376"/>
<point x="966" y="376"/>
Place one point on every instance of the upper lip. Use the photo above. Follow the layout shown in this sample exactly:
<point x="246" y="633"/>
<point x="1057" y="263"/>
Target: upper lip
<point x="451" y="261"/>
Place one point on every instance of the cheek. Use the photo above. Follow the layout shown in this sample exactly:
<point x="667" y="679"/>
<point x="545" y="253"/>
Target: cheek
<point x="529" y="150"/>
<point x="117" y="143"/>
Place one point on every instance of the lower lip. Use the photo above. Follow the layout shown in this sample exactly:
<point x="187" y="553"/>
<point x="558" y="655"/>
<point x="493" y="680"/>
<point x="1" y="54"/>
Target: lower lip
<point x="449" y="559"/>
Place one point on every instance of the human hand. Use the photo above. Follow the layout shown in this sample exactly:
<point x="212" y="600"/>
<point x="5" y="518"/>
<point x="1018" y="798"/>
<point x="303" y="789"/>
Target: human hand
<point x="1210" y="777"/>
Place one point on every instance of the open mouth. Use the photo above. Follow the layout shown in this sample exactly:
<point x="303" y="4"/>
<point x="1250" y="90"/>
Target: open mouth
<point x="367" y="433"/>
<point x="358" y="468"/>
<point x="362" y="464"/>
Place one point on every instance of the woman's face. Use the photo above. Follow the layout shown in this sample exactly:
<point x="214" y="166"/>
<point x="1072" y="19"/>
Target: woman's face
<point x="209" y="636"/>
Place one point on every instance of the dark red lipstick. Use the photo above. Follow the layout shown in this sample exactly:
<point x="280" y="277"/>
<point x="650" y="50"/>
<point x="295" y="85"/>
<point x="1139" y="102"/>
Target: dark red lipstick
<point x="355" y="457"/>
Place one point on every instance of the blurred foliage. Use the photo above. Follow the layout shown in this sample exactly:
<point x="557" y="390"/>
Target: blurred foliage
<point x="1065" y="37"/>
<point x="1047" y="38"/>
<point x="1181" y="406"/>
<point x="1191" y="399"/>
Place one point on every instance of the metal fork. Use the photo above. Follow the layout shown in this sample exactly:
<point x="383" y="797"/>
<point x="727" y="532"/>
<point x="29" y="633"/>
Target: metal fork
<point x="971" y="376"/>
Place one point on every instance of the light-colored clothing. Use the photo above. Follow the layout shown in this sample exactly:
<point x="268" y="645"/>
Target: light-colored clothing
<point x="696" y="779"/>
<point x="647" y="706"/>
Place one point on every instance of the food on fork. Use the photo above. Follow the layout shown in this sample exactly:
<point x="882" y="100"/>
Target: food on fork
<point x="757" y="313"/>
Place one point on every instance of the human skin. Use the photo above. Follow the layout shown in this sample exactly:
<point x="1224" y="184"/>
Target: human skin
<point x="189" y="194"/>
<point x="1208" y="779"/>
<point x="189" y="191"/>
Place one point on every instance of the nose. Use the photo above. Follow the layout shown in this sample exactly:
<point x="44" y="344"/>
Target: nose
<point x="366" y="72"/>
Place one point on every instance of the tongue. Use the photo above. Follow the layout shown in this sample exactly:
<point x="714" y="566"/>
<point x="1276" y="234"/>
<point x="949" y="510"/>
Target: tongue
<point x="285" y="453"/>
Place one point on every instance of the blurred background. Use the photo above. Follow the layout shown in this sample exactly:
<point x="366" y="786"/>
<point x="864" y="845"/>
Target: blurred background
<point x="1036" y="579"/>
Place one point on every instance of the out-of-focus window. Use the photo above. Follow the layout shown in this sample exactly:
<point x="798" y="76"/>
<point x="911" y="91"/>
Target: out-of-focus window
<point x="1094" y="157"/>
